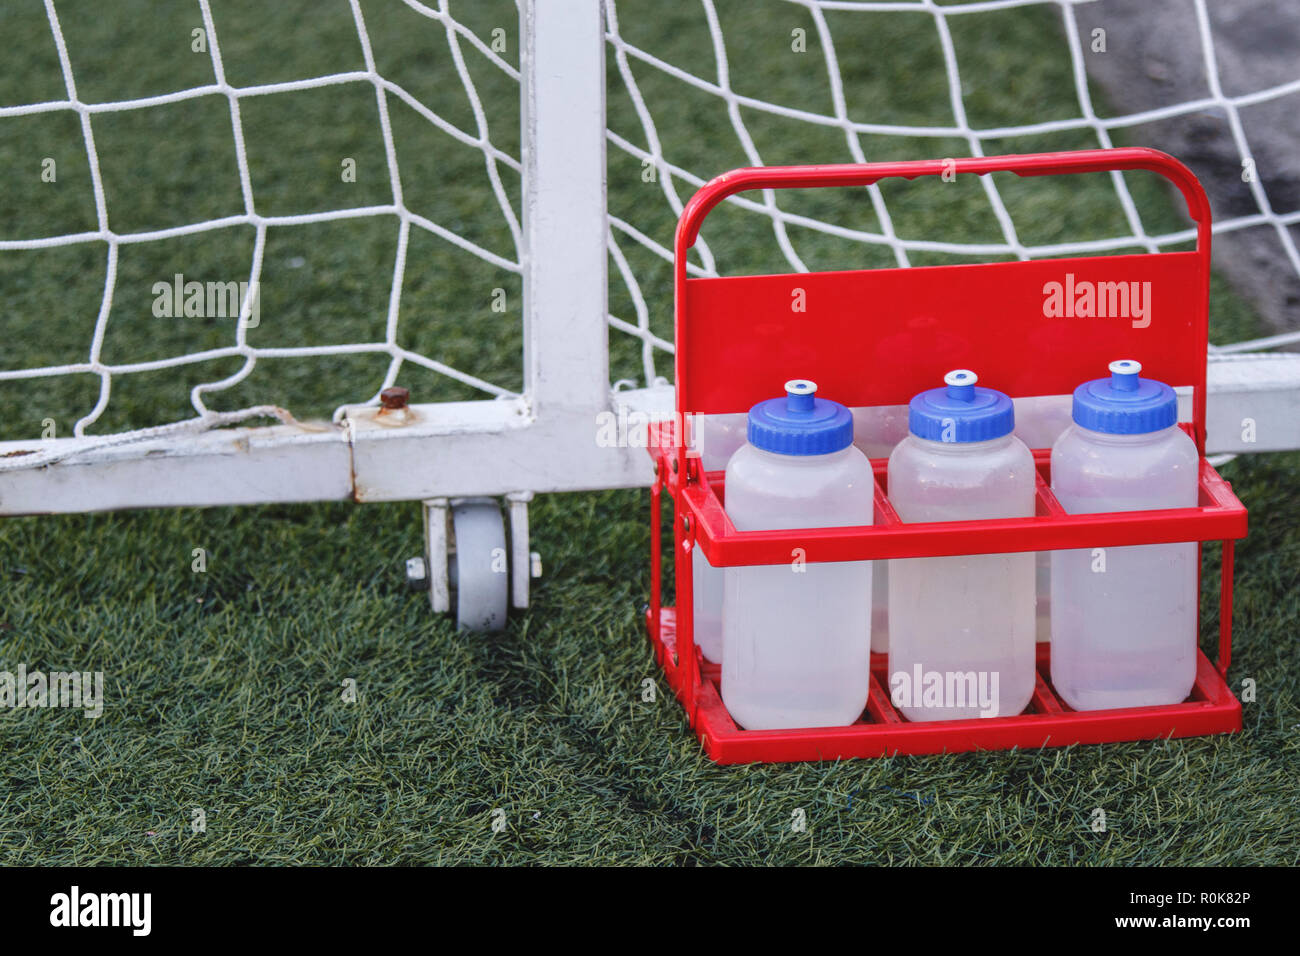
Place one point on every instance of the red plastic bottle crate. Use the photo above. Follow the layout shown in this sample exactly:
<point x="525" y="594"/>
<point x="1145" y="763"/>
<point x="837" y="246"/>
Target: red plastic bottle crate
<point x="877" y="337"/>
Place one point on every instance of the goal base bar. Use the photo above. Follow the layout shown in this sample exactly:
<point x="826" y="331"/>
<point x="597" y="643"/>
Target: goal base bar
<point x="444" y="450"/>
<point x="480" y="448"/>
<point x="1253" y="403"/>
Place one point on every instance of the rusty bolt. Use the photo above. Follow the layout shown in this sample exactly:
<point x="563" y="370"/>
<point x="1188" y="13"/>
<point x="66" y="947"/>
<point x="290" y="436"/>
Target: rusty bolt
<point x="394" y="398"/>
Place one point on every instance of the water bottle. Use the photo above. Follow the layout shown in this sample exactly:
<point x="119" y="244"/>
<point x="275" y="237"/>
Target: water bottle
<point x="796" y="637"/>
<point x="1124" y="619"/>
<point x="961" y="628"/>
<point x="717" y="438"/>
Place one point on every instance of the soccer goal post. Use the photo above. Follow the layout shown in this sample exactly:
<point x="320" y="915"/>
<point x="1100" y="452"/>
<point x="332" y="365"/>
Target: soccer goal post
<point x="540" y="438"/>
<point x="569" y="246"/>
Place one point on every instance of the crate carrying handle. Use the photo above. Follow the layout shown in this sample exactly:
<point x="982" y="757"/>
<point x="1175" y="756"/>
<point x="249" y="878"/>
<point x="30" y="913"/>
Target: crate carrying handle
<point x="865" y="174"/>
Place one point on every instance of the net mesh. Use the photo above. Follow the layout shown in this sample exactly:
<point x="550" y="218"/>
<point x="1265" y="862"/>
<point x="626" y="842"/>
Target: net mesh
<point x="678" y="181"/>
<point x="458" y="39"/>
<point x="692" y="91"/>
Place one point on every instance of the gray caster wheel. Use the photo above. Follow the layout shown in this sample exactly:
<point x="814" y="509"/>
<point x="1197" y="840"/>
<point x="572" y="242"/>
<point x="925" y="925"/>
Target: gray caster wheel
<point x="467" y="564"/>
<point x="479" y="569"/>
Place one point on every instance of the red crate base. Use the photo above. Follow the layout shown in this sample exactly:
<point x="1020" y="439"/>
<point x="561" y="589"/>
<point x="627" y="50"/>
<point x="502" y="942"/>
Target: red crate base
<point x="882" y="731"/>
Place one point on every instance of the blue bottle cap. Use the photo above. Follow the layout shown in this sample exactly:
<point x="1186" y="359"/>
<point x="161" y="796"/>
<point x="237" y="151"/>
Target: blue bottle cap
<point x="800" y="423"/>
<point x="961" y="412"/>
<point x="1125" y="404"/>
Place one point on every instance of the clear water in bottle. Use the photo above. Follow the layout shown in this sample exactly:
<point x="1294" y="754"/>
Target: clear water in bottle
<point x="961" y="628"/>
<point x="1124" y="619"/>
<point x="796" y="645"/>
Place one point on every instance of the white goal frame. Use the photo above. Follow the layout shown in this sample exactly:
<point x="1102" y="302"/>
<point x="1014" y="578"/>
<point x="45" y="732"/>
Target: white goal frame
<point x="543" y="440"/>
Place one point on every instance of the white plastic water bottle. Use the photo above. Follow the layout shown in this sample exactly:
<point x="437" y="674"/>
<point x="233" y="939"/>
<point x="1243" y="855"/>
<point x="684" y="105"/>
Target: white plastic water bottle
<point x="961" y="628"/>
<point x="796" y="637"/>
<point x="1124" y="619"/>
<point x="717" y="438"/>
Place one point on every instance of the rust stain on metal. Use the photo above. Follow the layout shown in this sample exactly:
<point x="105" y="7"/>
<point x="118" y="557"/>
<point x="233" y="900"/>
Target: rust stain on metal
<point x="20" y="451"/>
<point x="394" y="407"/>
<point x="394" y="397"/>
<point x="352" y="470"/>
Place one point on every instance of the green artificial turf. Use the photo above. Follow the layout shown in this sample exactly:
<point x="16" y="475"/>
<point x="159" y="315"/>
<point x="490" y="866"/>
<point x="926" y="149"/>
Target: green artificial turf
<point x="224" y="688"/>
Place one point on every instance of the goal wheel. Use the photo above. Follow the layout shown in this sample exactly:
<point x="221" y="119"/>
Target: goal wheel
<point x="480" y="567"/>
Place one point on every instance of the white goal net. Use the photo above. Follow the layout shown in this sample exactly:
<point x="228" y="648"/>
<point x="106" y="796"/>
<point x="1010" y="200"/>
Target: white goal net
<point x="402" y="259"/>
<point x="239" y="297"/>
